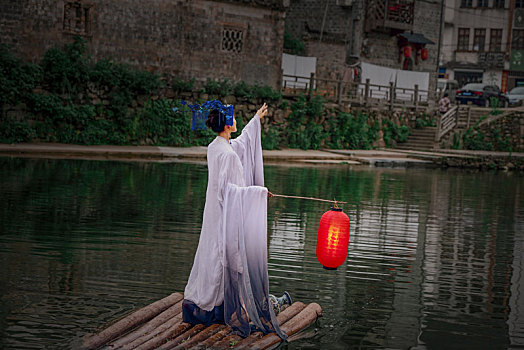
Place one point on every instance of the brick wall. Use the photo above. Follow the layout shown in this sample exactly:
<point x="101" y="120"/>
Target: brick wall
<point x="177" y="37"/>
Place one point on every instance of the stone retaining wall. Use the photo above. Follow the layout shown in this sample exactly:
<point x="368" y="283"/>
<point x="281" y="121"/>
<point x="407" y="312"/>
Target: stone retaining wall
<point x="511" y="128"/>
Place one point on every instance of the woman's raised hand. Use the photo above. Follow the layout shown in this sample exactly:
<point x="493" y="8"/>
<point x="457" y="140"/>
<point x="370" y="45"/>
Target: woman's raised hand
<point x="262" y="111"/>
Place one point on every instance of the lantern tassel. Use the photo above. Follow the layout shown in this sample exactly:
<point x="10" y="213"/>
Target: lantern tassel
<point x="310" y="198"/>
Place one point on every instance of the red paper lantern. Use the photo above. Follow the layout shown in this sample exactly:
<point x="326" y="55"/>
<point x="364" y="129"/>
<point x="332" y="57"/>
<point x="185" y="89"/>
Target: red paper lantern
<point x="407" y="51"/>
<point x="333" y="238"/>
<point x="424" y="54"/>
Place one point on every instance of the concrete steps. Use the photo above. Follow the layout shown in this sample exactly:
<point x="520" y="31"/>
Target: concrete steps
<point x="474" y="116"/>
<point x="420" y="139"/>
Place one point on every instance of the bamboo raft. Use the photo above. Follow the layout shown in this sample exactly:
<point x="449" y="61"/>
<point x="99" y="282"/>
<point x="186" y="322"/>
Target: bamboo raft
<point x="160" y="326"/>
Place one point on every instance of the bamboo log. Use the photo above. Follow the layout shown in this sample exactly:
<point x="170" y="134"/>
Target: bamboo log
<point x="233" y="340"/>
<point x="165" y="336"/>
<point x="305" y="318"/>
<point x="282" y="318"/>
<point x="126" y="324"/>
<point x="183" y="337"/>
<point x="170" y="324"/>
<point x="223" y="332"/>
<point x="290" y="312"/>
<point x="149" y="326"/>
<point x="227" y="342"/>
<point x="206" y="333"/>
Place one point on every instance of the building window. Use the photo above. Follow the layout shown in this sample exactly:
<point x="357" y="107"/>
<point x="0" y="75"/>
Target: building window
<point x="482" y="3"/>
<point x="467" y="3"/>
<point x="232" y="40"/>
<point x="495" y="40"/>
<point x="479" y="40"/>
<point x="463" y="39"/>
<point x="499" y="4"/>
<point x="77" y="17"/>
<point x="518" y="39"/>
<point x="519" y="3"/>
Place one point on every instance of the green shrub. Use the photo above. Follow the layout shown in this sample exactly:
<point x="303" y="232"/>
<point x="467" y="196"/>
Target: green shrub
<point x="271" y="139"/>
<point x="351" y="131"/>
<point x="394" y="132"/>
<point x="222" y="88"/>
<point x="14" y="131"/>
<point x="303" y="129"/>
<point x="66" y="70"/>
<point x="425" y="121"/>
<point x="241" y="89"/>
<point x="182" y="85"/>
<point x="456" y="141"/>
<point x="293" y="46"/>
<point x="266" y="93"/>
<point x="473" y="139"/>
<point x="17" y="78"/>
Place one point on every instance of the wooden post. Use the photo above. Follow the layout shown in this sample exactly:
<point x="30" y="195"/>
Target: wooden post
<point x="469" y="117"/>
<point x="439" y="124"/>
<point x="391" y="95"/>
<point x="311" y="83"/>
<point x="415" y="96"/>
<point x="366" y="93"/>
<point x="339" y="87"/>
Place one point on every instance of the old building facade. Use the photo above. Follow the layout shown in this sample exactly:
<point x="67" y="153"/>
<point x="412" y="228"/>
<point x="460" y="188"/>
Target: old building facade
<point x="235" y="39"/>
<point x="477" y="42"/>
<point x="343" y="33"/>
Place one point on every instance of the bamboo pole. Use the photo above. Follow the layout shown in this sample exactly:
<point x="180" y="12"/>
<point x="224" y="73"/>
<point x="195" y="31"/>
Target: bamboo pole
<point x="305" y="318"/>
<point x="126" y="324"/>
<point x="149" y="326"/>
<point x="310" y="198"/>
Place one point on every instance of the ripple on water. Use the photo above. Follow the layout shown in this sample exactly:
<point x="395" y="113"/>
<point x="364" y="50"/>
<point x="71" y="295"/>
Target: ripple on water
<point x="435" y="257"/>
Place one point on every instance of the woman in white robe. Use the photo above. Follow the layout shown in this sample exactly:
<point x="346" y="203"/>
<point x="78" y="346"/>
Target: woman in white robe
<point x="229" y="280"/>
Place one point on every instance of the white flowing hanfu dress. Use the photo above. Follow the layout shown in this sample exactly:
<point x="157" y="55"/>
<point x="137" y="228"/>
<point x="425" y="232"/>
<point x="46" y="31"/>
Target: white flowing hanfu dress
<point x="229" y="279"/>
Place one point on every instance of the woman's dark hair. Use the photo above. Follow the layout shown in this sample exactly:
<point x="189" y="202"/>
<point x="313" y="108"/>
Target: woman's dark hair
<point x="212" y="121"/>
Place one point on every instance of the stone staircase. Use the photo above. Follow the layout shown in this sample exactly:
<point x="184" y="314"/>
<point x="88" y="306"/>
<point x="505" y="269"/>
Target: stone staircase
<point x="424" y="138"/>
<point x="420" y="139"/>
<point x="468" y="116"/>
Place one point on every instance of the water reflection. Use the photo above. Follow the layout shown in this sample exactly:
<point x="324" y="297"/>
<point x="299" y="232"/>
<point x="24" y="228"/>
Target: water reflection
<point x="435" y="257"/>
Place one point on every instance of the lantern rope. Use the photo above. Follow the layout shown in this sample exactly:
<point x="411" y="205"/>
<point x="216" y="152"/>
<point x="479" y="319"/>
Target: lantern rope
<point x="310" y="198"/>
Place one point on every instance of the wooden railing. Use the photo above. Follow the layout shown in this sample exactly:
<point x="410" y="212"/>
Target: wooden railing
<point x="365" y="94"/>
<point x="446" y="123"/>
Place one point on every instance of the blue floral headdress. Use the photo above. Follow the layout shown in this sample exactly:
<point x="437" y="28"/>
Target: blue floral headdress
<point x="200" y="113"/>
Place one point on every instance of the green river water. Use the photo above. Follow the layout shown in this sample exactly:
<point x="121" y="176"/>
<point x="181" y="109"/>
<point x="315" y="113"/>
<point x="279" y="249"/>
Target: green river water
<point x="435" y="260"/>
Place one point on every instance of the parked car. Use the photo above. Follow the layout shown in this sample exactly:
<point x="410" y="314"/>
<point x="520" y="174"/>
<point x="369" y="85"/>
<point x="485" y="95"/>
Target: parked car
<point x="481" y="94"/>
<point x="516" y="96"/>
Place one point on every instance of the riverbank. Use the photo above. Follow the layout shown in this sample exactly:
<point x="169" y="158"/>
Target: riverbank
<point x="379" y="157"/>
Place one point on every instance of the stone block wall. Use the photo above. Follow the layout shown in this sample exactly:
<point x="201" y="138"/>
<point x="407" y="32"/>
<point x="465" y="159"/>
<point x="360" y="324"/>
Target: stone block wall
<point x="511" y="128"/>
<point x="192" y="39"/>
<point x="304" y="19"/>
<point x="331" y="59"/>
